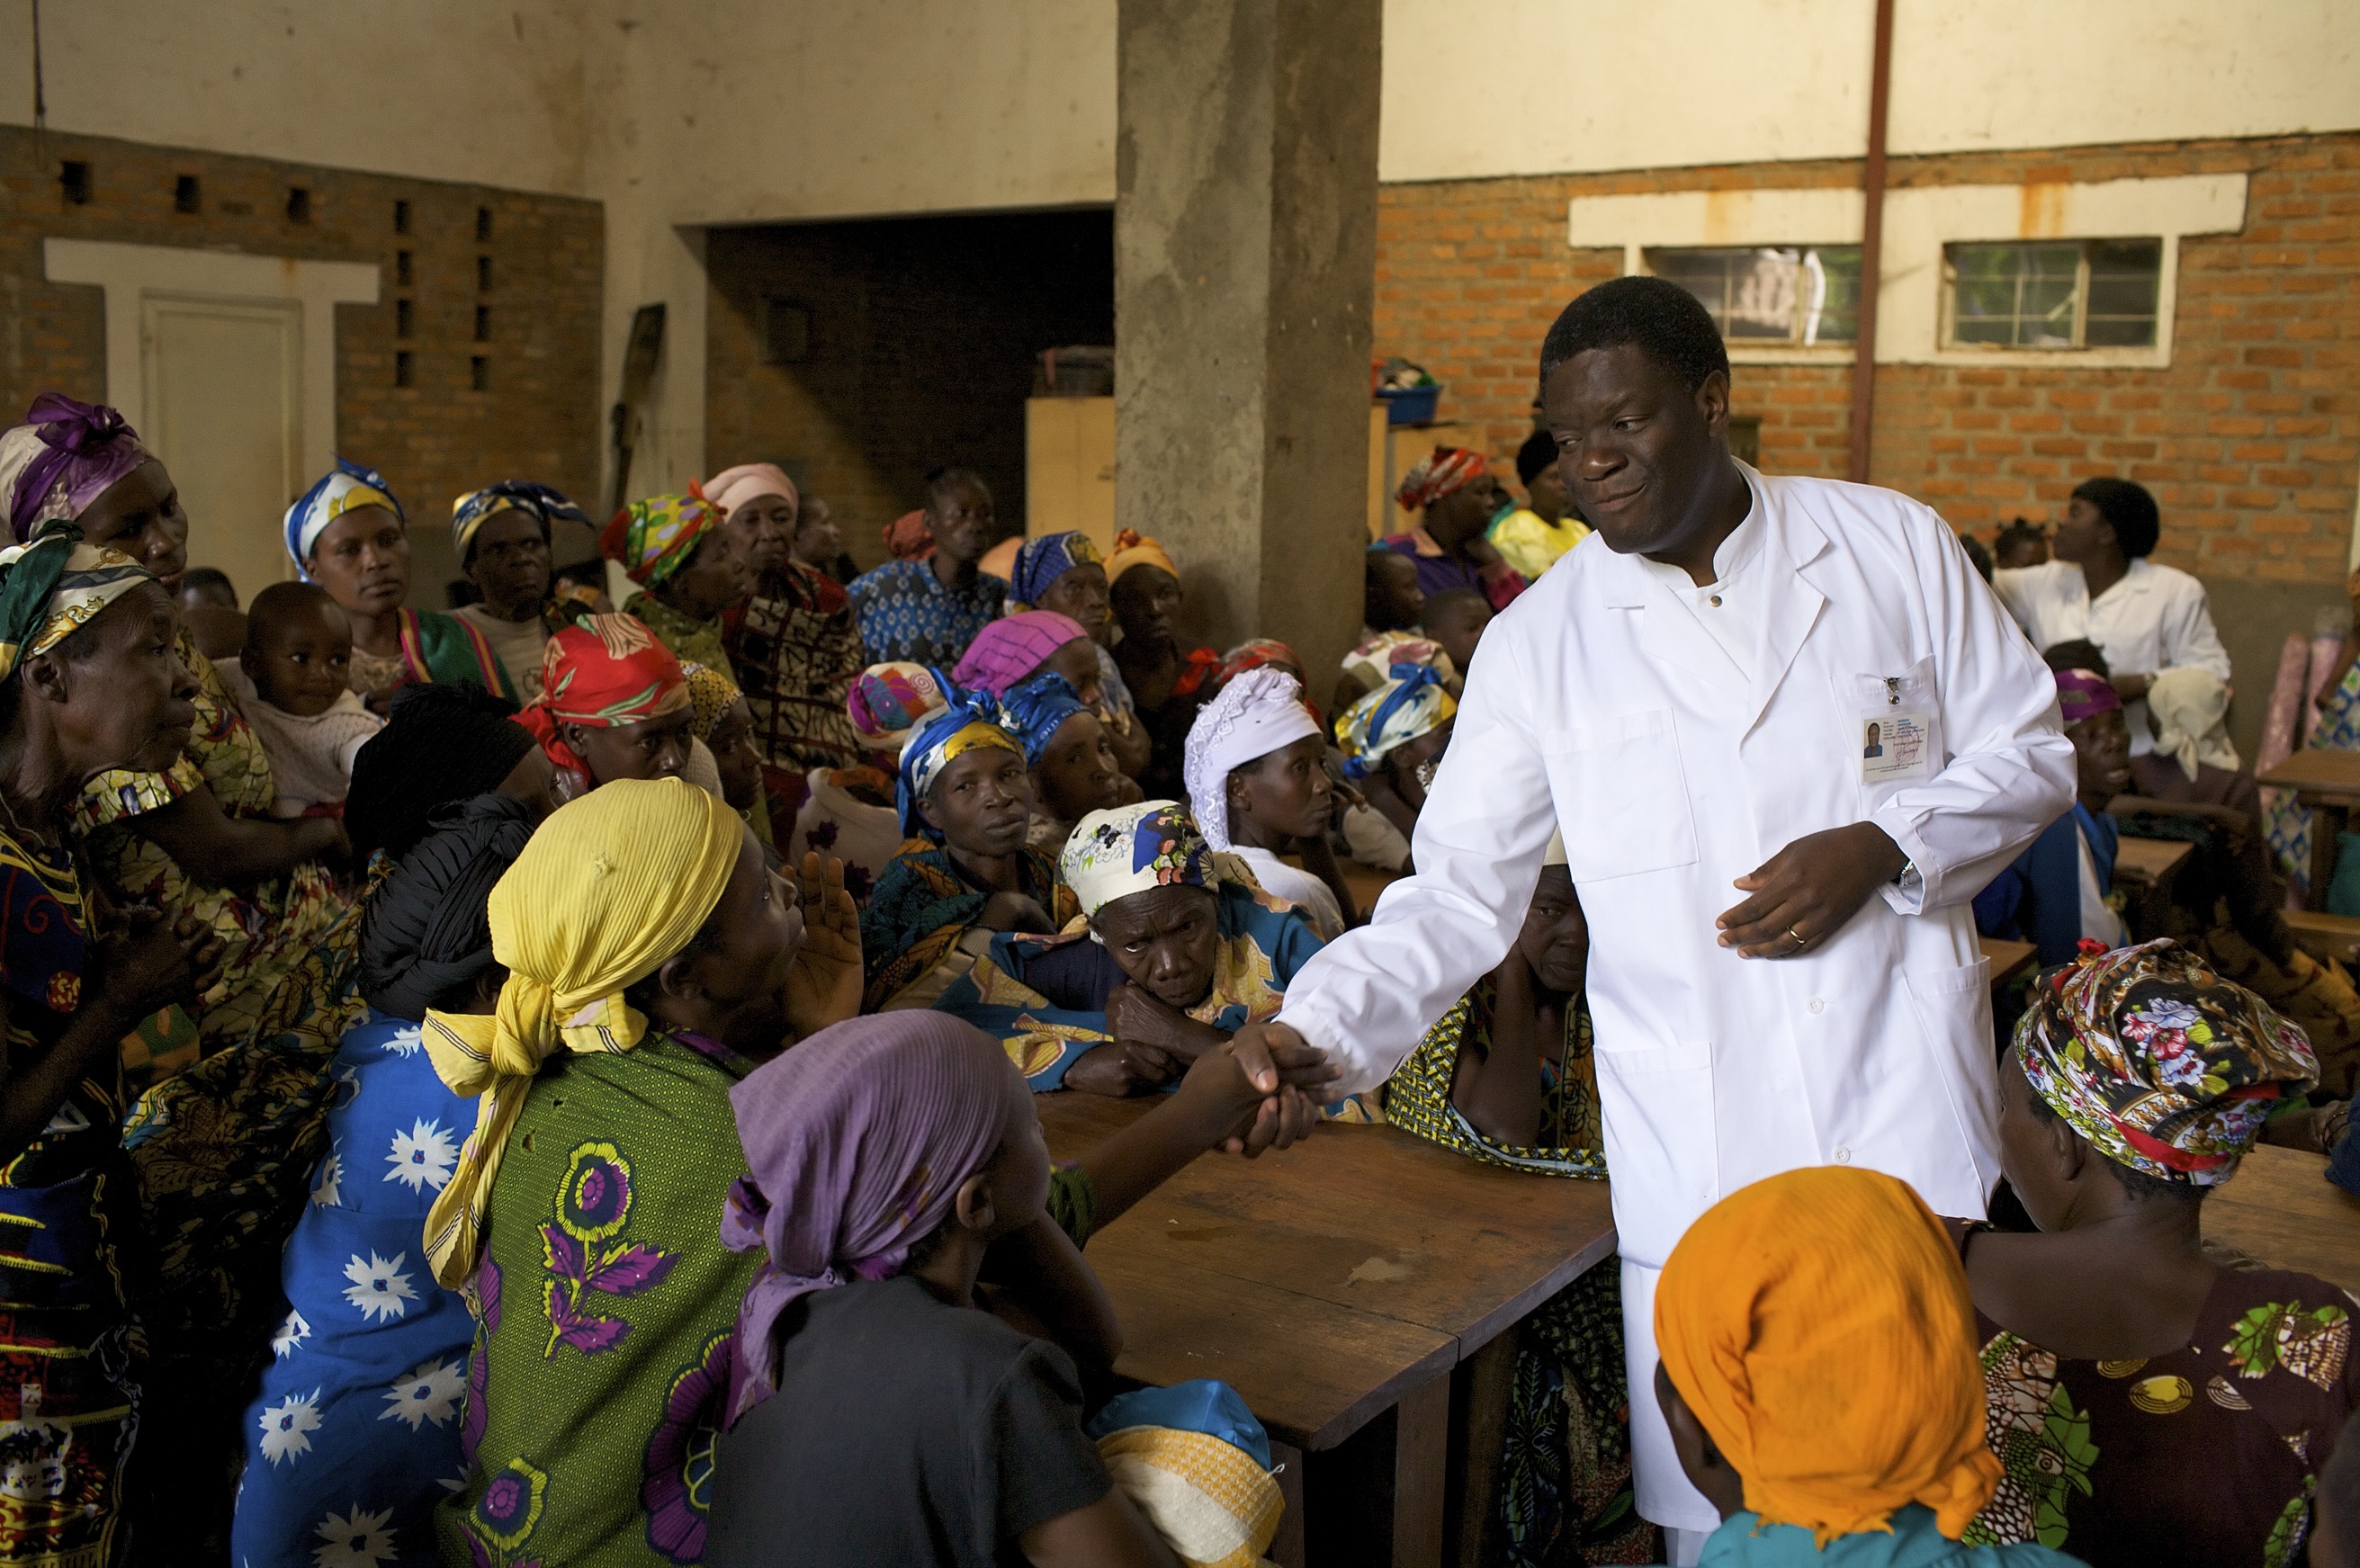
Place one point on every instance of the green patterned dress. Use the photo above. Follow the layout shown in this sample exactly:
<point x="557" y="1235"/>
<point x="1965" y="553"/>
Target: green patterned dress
<point x="1565" y="1491"/>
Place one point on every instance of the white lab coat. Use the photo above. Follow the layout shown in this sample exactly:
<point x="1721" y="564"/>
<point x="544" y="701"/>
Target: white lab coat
<point x="1598" y="703"/>
<point x="2154" y="619"/>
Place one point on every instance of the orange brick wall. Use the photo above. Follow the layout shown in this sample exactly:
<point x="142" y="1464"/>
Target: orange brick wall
<point x="2249" y="441"/>
<point x="541" y="417"/>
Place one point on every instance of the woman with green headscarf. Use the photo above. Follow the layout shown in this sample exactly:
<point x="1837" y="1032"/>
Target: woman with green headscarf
<point x="90" y="679"/>
<point x="674" y="549"/>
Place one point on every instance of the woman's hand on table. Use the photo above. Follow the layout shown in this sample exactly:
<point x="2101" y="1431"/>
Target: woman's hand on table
<point x="1120" y="1071"/>
<point x="1136" y="1017"/>
<point x="824" y="985"/>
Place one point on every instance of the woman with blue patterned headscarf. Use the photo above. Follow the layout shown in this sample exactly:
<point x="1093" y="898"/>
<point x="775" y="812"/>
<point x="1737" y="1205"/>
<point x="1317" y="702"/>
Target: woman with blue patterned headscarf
<point x="1066" y="573"/>
<point x="502" y="535"/>
<point x="1072" y="763"/>
<point x="1393" y="738"/>
<point x="967" y="804"/>
<point x="348" y="534"/>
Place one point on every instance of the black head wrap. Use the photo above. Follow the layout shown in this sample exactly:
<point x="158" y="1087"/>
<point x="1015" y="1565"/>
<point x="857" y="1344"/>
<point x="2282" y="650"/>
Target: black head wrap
<point x="441" y="745"/>
<point x="427" y="932"/>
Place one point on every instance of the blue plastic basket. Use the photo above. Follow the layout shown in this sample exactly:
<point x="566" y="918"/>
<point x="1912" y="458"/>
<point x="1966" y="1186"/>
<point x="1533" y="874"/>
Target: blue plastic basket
<point x="1410" y="406"/>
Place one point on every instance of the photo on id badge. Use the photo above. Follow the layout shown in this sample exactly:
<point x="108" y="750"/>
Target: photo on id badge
<point x="1893" y="746"/>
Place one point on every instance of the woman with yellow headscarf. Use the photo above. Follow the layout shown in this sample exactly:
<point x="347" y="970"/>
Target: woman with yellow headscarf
<point x="1819" y="1378"/>
<point x="653" y="960"/>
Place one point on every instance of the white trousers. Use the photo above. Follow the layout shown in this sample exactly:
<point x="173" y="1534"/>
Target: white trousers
<point x="1665" y="1497"/>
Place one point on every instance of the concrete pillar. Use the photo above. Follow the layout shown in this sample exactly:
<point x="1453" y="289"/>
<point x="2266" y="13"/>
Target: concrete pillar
<point x="1245" y="260"/>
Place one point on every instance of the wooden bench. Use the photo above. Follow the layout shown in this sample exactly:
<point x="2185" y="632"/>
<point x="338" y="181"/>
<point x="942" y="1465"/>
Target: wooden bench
<point x="2322" y="935"/>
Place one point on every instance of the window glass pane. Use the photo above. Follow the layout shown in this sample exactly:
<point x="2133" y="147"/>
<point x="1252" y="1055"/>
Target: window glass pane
<point x="1770" y="295"/>
<point x="2125" y="278"/>
<point x="2027" y="296"/>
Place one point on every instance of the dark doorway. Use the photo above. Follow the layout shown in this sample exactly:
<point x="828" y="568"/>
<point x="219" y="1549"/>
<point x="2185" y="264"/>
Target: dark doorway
<point x="860" y="354"/>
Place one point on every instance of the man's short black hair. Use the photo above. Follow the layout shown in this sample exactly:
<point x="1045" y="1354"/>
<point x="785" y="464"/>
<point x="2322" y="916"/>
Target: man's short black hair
<point x="207" y="577"/>
<point x="1537" y="453"/>
<point x="2137" y="524"/>
<point x="1670" y="324"/>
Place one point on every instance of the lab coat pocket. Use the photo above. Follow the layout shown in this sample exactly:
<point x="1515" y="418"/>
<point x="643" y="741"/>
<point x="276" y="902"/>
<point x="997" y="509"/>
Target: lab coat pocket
<point x="1892" y="720"/>
<point x="1619" y="786"/>
<point x="1954" y="1016"/>
<point x="1661" y="1143"/>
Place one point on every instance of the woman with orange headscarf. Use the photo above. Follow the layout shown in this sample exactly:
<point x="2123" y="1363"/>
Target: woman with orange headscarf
<point x="1169" y="680"/>
<point x="1819" y="1378"/>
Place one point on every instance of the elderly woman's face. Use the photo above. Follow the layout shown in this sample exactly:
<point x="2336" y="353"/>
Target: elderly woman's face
<point x="1555" y="940"/>
<point x="140" y="515"/>
<point x="126" y="701"/>
<point x="1166" y="940"/>
<point x="715" y="578"/>
<point x="1080" y="593"/>
<point x="509" y="560"/>
<point x="1077" y="774"/>
<point x="762" y="533"/>
<point x="981" y="803"/>
<point x="363" y="561"/>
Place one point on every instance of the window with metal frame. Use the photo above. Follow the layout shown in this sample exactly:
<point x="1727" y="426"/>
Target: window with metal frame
<point x="1770" y="297"/>
<point x="2052" y="294"/>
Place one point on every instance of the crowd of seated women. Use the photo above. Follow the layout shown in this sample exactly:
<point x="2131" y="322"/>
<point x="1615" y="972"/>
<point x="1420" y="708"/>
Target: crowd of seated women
<point x="480" y="1086"/>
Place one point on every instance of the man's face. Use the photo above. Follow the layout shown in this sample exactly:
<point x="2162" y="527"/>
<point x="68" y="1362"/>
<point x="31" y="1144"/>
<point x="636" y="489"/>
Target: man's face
<point x="1636" y="449"/>
<point x="961" y="521"/>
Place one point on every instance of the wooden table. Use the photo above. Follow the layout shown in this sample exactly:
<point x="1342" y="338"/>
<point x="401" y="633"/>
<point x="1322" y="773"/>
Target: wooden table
<point x="1338" y="1286"/>
<point x="2328" y="782"/>
<point x="2146" y="869"/>
<point x="2010" y="961"/>
<point x="2280" y="1208"/>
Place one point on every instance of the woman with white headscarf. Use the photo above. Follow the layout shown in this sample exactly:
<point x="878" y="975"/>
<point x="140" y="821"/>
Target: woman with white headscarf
<point x="1253" y="766"/>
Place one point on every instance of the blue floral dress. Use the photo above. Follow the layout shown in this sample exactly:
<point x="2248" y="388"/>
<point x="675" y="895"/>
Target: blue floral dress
<point x="355" y="1436"/>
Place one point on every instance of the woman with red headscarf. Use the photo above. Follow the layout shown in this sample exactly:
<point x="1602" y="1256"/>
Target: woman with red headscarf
<point x="1454" y="489"/>
<point x="614" y="704"/>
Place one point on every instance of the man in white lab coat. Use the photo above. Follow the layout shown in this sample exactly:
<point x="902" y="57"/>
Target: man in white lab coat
<point x="1783" y="962"/>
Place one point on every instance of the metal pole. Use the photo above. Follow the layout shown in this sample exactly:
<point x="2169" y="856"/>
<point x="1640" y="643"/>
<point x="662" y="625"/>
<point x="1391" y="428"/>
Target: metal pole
<point x="1871" y="245"/>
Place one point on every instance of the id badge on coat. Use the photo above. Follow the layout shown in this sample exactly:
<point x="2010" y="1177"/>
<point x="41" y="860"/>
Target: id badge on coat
<point x="1897" y="736"/>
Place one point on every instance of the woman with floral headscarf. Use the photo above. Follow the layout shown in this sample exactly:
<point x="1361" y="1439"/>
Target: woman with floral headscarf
<point x="965" y="869"/>
<point x="502" y="535"/>
<point x="348" y="534"/>
<point x="2147" y="1404"/>
<point x="673" y="547"/>
<point x="793" y="645"/>
<point x="1181" y="949"/>
<point x="90" y="680"/>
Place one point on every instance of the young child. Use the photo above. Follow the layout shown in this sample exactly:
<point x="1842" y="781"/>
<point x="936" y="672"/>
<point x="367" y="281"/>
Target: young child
<point x="1259" y="789"/>
<point x="887" y="1157"/>
<point x="1819" y="1378"/>
<point x="289" y="681"/>
<point x="2021" y="543"/>
<point x="1456" y="619"/>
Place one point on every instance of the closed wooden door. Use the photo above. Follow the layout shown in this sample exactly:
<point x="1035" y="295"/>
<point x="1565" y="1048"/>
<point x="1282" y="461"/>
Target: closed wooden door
<point x="223" y="409"/>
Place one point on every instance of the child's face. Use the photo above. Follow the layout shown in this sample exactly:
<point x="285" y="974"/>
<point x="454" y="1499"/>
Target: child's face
<point x="2022" y="550"/>
<point x="1402" y="764"/>
<point x="1286" y="792"/>
<point x="1459" y="629"/>
<point x="1395" y="603"/>
<point x="299" y="658"/>
<point x="732" y="744"/>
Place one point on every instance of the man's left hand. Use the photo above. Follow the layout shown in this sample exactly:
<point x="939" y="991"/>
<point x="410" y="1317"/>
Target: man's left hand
<point x="1805" y="893"/>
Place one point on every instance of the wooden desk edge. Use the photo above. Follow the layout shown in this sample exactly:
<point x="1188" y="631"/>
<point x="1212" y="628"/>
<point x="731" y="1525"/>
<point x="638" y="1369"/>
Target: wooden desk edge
<point x="1481" y="1333"/>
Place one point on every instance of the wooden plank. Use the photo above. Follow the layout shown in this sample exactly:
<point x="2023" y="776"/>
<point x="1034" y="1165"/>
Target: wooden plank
<point x="2152" y="860"/>
<point x="1421" y="1448"/>
<point x="1366" y="1218"/>
<point x="1365" y="882"/>
<point x="2316" y="768"/>
<point x="2009" y="960"/>
<point x="2322" y="935"/>
<point x="2280" y="1208"/>
<point x="1481" y="1387"/>
<point x="1286" y="1547"/>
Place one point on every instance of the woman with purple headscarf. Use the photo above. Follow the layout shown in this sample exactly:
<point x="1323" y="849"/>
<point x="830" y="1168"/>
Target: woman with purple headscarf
<point x="887" y="1157"/>
<point x="2058" y="894"/>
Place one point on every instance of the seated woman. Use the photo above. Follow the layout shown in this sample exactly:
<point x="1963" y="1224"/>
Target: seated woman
<point x="723" y="728"/>
<point x="954" y="1437"/>
<point x="966" y="804"/>
<point x="614" y="704"/>
<point x="794" y="648"/>
<point x="1258" y="789"/>
<point x="653" y="959"/>
<point x="1393" y="739"/>
<point x="849" y="813"/>
<point x="2054" y="895"/>
<point x="1506" y="1077"/>
<point x="1064" y="573"/>
<point x="196" y="835"/>
<point x="1818" y="1280"/>
<point x="674" y="549"/>
<point x="502" y="535"/>
<point x="1015" y="647"/>
<point x="2113" y="1349"/>
<point x="88" y="682"/>
<point x="348" y="534"/>
<point x="1181" y="951"/>
<point x="1072" y="761"/>
<point x="1168" y="681"/>
<point x="326" y="1458"/>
